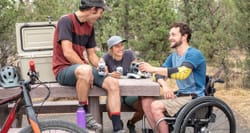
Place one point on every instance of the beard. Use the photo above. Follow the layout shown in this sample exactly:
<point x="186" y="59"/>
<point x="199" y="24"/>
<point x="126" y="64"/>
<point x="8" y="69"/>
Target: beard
<point x="175" y="45"/>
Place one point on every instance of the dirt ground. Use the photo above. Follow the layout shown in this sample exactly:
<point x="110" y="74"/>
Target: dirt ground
<point x="237" y="98"/>
<point x="239" y="102"/>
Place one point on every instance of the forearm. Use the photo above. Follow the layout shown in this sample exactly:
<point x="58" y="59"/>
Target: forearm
<point x="160" y="71"/>
<point x="69" y="53"/>
<point x="166" y="90"/>
<point x="182" y="72"/>
<point x="162" y="83"/>
<point x="94" y="60"/>
<point x="73" y="58"/>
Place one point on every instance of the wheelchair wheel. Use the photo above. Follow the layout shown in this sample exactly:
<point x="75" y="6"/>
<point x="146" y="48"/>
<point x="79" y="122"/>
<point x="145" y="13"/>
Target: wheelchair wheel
<point x="205" y="115"/>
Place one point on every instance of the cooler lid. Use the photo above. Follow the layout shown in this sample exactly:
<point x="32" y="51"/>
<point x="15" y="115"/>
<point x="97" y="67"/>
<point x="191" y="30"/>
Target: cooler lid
<point x="36" y="36"/>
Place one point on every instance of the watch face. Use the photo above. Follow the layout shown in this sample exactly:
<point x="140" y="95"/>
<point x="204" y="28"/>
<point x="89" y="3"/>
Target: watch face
<point x="101" y="68"/>
<point x="119" y="69"/>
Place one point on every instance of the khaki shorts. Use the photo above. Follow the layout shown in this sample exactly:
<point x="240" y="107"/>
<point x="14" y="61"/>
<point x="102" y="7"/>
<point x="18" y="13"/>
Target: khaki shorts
<point x="172" y="106"/>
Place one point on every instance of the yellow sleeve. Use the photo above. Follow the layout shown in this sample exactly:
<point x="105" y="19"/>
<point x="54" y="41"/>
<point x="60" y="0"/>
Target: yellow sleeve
<point x="182" y="73"/>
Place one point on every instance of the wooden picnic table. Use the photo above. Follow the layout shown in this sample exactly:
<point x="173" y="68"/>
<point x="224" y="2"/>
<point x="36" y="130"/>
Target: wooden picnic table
<point x="129" y="87"/>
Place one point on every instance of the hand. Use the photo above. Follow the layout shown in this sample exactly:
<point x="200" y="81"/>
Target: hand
<point x="168" y="94"/>
<point x="146" y="67"/>
<point x="116" y="74"/>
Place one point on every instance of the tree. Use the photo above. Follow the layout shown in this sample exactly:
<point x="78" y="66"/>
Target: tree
<point x="219" y="26"/>
<point x="8" y="17"/>
<point x="151" y="28"/>
<point x="209" y="20"/>
<point x="216" y="30"/>
<point x="143" y="23"/>
<point x="242" y="16"/>
<point x="39" y="10"/>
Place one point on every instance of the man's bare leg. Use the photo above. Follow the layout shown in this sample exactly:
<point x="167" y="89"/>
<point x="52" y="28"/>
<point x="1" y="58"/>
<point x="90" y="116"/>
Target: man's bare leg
<point x="146" y="105"/>
<point x="111" y="85"/>
<point x="83" y="85"/>
<point x="157" y="111"/>
<point x="83" y="81"/>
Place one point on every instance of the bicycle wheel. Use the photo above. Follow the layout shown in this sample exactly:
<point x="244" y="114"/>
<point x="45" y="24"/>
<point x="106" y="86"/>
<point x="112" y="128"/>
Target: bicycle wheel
<point x="208" y="115"/>
<point x="56" y="126"/>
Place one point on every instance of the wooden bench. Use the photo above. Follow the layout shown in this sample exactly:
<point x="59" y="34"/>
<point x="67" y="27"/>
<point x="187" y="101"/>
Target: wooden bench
<point x="129" y="87"/>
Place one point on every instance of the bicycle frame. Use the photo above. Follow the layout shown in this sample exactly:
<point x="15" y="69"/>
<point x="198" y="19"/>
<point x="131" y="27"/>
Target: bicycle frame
<point x="24" y="96"/>
<point x="12" y="113"/>
<point x="31" y="116"/>
<point x="33" y="121"/>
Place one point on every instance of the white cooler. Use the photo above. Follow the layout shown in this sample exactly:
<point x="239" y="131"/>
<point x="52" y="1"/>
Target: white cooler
<point x="35" y="42"/>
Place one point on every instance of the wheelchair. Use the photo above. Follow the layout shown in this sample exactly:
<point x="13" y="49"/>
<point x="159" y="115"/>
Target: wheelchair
<point x="206" y="114"/>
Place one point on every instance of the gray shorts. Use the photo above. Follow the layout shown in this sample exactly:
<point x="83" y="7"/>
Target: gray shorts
<point x="67" y="76"/>
<point x="129" y="100"/>
<point x="172" y="106"/>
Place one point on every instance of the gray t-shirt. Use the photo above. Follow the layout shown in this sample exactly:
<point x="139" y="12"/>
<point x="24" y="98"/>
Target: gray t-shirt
<point x="112" y="64"/>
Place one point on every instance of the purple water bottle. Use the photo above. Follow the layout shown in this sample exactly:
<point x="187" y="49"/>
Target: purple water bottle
<point x="80" y="117"/>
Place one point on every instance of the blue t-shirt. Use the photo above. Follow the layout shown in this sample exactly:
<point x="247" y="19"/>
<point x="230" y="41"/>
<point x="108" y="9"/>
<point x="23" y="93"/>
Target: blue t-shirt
<point x="195" y="83"/>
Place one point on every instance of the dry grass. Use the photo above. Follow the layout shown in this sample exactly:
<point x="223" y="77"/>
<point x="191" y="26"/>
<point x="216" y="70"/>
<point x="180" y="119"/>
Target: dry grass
<point x="238" y="100"/>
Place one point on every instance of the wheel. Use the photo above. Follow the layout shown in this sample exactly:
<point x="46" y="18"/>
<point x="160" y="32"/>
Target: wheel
<point x="56" y="126"/>
<point x="205" y="115"/>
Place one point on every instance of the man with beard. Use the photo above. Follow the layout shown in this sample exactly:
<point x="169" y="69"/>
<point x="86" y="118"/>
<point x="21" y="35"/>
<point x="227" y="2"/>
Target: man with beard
<point x="187" y="65"/>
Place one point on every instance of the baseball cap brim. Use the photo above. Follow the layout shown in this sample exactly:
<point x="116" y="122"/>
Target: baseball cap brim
<point x="106" y="8"/>
<point x="114" y="42"/>
<point x="100" y="3"/>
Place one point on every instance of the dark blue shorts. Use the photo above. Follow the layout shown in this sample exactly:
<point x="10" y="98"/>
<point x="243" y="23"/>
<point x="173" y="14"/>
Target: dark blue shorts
<point x="67" y="76"/>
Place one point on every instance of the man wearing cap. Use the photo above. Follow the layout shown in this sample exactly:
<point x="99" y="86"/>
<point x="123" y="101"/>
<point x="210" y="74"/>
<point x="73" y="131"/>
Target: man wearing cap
<point x="73" y="36"/>
<point x="116" y="58"/>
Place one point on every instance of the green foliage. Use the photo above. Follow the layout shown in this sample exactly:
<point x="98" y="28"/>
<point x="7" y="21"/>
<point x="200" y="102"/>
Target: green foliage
<point x="143" y="23"/>
<point x="8" y="17"/>
<point x="39" y="10"/>
<point x="243" y="35"/>
<point x="246" y="79"/>
<point x="211" y="23"/>
<point x="219" y="26"/>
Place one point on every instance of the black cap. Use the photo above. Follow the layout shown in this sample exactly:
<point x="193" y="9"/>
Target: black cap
<point x="95" y="3"/>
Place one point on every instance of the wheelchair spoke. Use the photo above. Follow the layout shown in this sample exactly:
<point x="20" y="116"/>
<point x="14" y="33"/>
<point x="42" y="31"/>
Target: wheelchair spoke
<point x="208" y="117"/>
<point x="221" y="122"/>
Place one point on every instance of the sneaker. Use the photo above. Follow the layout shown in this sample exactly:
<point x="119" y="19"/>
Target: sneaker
<point x="120" y="131"/>
<point x="92" y="123"/>
<point x="122" y="124"/>
<point x="131" y="127"/>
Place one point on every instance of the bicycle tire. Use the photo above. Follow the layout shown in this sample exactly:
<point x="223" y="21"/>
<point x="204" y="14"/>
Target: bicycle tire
<point x="202" y="102"/>
<point x="56" y="126"/>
